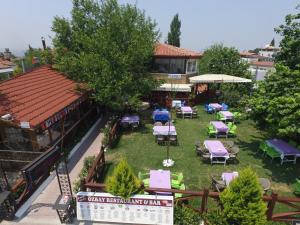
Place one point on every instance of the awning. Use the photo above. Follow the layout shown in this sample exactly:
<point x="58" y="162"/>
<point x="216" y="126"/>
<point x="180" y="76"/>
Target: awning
<point x="218" y="78"/>
<point x="175" y="87"/>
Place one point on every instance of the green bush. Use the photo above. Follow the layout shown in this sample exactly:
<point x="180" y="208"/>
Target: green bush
<point x="215" y="217"/>
<point x="87" y="164"/>
<point x="123" y="182"/>
<point x="186" y="216"/>
<point x="242" y="200"/>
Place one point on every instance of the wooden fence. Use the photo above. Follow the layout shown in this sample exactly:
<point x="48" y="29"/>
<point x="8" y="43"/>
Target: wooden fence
<point x="272" y="200"/>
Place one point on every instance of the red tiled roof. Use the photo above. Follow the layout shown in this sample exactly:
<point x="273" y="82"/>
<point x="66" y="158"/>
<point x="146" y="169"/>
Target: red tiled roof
<point x="262" y="63"/>
<point x="165" y="50"/>
<point x="37" y="95"/>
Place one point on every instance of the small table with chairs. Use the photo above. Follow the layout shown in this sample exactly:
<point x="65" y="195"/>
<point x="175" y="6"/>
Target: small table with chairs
<point x="221" y="129"/>
<point x="187" y="112"/>
<point x="218" y="153"/>
<point x="130" y="121"/>
<point x="161" y="115"/>
<point x="226" y="115"/>
<point x="215" y="106"/>
<point x="160" y="179"/>
<point x="163" y="133"/>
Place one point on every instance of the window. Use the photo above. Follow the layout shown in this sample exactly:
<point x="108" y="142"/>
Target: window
<point x="191" y="66"/>
<point x="167" y="65"/>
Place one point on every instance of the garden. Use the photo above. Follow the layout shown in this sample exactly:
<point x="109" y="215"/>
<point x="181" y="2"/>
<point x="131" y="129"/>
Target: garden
<point x="142" y="152"/>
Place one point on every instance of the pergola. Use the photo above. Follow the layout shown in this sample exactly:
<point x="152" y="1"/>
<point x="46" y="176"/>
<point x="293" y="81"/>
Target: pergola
<point x="217" y="78"/>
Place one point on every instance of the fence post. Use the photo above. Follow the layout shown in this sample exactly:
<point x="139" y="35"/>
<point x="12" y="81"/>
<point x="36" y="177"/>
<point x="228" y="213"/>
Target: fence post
<point x="271" y="205"/>
<point x="204" y="200"/>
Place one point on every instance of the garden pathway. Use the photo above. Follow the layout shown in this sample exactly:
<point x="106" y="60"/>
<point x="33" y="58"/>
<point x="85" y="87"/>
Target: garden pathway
<point x="40" y="212"/>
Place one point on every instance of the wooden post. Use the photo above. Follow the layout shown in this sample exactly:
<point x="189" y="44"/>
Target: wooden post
<point x="62" y="132"/>
<point x="50" y="135"/>
<point x="271" y="205"/>
<point x="33" y="140"/>
<point x="204" y="200"/>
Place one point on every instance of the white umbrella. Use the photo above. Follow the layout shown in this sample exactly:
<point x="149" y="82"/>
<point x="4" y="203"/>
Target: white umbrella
<point x="218" y="78"/>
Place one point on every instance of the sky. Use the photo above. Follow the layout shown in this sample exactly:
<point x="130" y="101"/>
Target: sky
<point x="238" y="23"/>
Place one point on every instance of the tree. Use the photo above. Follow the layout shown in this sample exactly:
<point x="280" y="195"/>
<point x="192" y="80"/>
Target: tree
<point x="219" y="59"/>
<point x="174" y="34"/>
<point x="275" y="104"/>
<point x="123" y="182"/>
<point x="109" y="47"/>
<point x="289" y="54"/>
<point x="272" y="43"/>
<point x="242" y="200"/>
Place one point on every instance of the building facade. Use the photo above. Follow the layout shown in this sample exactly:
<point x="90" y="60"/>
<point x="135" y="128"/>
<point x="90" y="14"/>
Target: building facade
<point x="173" y="66"/>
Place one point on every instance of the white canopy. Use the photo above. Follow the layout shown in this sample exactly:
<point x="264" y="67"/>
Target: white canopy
<point x="175" y="87"/>
<point x="218" y="78"/>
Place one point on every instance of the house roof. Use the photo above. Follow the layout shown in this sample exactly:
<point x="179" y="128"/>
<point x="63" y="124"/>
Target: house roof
<point x="262" y="63"/>
<point x="36" y="96"/>
<point x="4" y="64"/>
<point x="165" y="50"/>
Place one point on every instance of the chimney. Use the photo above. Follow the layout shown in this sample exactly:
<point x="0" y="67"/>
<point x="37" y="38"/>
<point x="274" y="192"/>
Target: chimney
<point x="44" y="43"/>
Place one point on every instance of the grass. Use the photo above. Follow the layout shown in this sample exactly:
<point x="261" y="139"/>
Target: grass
<point x="142" y="153"/>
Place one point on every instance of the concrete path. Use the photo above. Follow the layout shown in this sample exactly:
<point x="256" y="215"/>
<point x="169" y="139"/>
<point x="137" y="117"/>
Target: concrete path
<point x="40" y="212"/>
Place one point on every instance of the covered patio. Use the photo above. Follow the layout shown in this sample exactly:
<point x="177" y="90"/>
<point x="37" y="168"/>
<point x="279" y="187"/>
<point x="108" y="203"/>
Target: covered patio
<point x="203" y="84"/>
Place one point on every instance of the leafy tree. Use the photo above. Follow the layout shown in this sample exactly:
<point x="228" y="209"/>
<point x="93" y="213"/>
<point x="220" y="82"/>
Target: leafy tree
<point x="275" y="104"/>
<point x="242" y="200"/>
<point x="219" y="59"/>
<point x="123" y="182"/>
<point x="174" y="34"/>
<point x="109" y="47"/>
<point x="289" y="54"/>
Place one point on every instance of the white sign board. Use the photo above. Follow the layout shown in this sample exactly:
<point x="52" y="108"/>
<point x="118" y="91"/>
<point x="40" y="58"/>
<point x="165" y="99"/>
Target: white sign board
<point x="174" y="76"/>
<point x="24" y="125"/>
<point x="139" y="209"/>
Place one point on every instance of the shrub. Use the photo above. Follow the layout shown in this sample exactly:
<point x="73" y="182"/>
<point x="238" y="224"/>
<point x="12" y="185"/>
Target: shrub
<point x="123" y="182"/>
<point x="87" y="164"/>
<point x="242" y="200"/>
<point x="185" y="216"/>
<point x="215" y="217"/>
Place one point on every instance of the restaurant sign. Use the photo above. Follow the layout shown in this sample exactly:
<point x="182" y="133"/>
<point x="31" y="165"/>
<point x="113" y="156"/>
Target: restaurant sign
<point x="58" y="116"/>
<point x="139" y="209"/>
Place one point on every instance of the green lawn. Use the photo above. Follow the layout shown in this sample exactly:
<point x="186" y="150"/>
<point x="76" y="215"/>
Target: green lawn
<point x="142" y="153"/>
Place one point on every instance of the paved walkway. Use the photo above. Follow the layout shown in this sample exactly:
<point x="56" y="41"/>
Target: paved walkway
<point x="41" y="212"/>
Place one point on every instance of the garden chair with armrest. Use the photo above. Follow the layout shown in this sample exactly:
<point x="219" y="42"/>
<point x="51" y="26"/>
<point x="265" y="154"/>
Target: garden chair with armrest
<point x="272" y="153"/>
<point x="232" y="131"/>
<point x="178" y="177"/>
<point x="158" y="124"/>
<point x="160" y="139"/>
<point x="179" y="195"/>
<point x="224" y="107"/>
<point x="173" y="140"/>
<point x="263" y="147"/>
<point x="217" y="185"/>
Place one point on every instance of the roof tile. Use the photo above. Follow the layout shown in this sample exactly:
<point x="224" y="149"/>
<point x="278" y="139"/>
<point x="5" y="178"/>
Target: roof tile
<point x="37" y="95"/>
<point x="165" y="50"/>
